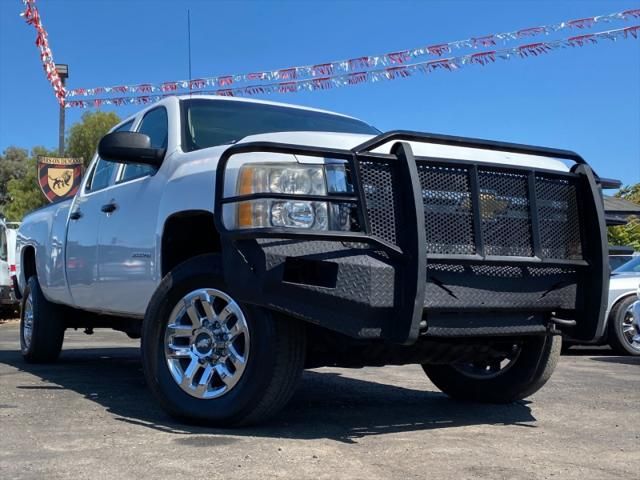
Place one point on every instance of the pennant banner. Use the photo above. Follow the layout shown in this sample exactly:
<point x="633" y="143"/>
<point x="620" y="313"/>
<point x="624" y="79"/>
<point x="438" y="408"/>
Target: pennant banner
<point x="32" y="17"/>
<point x="353" y="65"/>
<point x="388" y="73"/>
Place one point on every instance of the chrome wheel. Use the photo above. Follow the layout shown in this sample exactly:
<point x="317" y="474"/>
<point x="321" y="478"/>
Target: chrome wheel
<point x="630" y="330"/>
<point x="489" y="368"/>
<point x="27" y="322"/>
<point x="206" y="343"/>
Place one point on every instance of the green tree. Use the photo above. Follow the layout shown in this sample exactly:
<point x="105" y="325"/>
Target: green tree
<point x="84" y="136"/>
<point x="23" y="193"/>
<point x="628" y="234"/>
<point x="12" y="165"/>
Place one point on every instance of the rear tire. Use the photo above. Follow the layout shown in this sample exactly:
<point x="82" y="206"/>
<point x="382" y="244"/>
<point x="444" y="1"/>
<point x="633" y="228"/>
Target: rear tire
<point x="621" y="329"/>
<point x="523" y="376"/>
<point x="273" y="350"/>
<point x="41" y="325"/>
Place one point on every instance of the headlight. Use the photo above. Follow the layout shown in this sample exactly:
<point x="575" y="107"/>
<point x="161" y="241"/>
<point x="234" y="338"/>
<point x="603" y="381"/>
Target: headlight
<point x="294" y="179"/>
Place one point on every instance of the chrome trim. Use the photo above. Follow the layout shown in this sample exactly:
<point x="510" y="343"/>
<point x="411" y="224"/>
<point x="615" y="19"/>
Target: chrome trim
<point x="206" y="343"/>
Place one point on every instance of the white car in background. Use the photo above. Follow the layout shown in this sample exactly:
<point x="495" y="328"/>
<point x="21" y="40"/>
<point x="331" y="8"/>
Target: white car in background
<point x="635" y="316"/>
<point x="8" y="301"/>
<point x="622" y="333"/>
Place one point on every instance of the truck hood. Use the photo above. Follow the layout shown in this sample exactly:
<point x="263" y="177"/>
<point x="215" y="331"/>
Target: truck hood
<point x="347" y="141"/>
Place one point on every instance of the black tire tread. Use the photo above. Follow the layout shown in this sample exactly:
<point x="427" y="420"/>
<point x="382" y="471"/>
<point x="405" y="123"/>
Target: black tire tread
<point x="48" y="327"/>
<point x="522" y="380"/>
<point x="619" y="345"/>
<point x="287" y="372"/>
<point x="286" y="365"/>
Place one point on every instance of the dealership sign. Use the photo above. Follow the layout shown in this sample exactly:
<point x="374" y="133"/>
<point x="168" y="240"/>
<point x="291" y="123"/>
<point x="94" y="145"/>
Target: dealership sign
<point x="59" y="178"/>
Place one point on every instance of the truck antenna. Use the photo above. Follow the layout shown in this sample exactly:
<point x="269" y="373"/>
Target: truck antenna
<point x="189" y="45"/>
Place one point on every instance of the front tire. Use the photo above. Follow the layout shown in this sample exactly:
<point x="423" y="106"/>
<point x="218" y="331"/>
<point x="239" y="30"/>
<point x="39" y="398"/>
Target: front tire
<point x="622" y="332"/>
<point x="41" y="325"/>
<point x="533" y="361"/>
<point x="209" y="359"/>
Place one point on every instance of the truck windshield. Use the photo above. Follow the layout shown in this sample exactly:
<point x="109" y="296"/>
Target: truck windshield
<point x="207" y="123"/>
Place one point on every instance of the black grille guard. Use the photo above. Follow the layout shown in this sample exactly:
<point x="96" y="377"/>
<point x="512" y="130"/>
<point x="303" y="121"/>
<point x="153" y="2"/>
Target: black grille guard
<point x="409" y="252"/>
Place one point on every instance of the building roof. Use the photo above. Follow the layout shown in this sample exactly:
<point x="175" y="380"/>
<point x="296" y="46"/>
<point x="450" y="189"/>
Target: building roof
<point x="620" y="206"/>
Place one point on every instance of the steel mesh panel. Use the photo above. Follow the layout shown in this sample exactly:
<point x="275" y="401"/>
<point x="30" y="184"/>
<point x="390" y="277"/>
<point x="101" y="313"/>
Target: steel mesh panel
<point x="380" y="192"/>
<point x="550" y="271"/>
<point x="506" y="221"/>
<point x="477" y="286"/>
<point x="444" y="267"/>
<point x="505" y="216"/>
<point x="448" y="214"/>
<point x="558" y="218"/>
<point x="503" y="271"/>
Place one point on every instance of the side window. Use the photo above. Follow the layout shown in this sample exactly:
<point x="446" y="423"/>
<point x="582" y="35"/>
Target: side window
<point x="3" y="245"/>
<point x="154" y="124"/>
<point x="103" y="171"/>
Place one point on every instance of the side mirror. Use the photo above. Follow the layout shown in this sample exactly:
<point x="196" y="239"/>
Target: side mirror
<point x="130" y="147"/>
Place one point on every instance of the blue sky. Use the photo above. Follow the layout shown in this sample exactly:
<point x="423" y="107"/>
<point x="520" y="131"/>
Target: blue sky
<point x="584" y="99"/>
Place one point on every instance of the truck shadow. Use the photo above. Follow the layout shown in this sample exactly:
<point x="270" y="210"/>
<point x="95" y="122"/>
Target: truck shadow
<point x="602" y="354"/>
<point x="326" y="404"/>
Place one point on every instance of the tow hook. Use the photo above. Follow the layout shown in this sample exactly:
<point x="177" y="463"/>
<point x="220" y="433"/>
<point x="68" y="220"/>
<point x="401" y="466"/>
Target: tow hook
<point x="563" y="322"/>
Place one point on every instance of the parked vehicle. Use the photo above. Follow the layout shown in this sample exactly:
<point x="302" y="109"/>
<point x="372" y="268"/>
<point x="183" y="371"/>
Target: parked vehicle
<point x="635" y="317"/>
<point x="619" y="332"/>
<point x="623" y="286"/>
<point x="8" y="301"/>
<point x="618" y="256"/>
<point x="247" y="240"/>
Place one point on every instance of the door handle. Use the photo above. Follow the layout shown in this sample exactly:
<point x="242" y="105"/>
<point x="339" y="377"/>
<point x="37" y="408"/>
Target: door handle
<point x="109" y="207"/>
<point x="75" y="215"/>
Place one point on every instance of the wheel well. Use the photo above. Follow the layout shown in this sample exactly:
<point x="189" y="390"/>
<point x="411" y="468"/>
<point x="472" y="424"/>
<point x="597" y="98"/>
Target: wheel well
<point x="29" y="262"/>
<point x="616" y="304"/>
<point x="186" y="235"/>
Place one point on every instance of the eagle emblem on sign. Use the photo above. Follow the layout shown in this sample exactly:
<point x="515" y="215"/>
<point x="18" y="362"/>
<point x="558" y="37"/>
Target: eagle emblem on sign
<point x="59" y="178"/>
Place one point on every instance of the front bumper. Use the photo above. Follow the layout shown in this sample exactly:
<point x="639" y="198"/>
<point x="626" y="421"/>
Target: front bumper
<point x="394" y="280"/>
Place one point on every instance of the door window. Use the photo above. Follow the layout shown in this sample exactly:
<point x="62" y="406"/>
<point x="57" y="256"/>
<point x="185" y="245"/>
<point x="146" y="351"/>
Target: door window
<point x="103" y="171"/>
<point x="155" y="125"/>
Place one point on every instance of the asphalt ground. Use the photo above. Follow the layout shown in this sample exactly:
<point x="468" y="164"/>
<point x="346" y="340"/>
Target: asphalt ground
<point x="91" y="416"/>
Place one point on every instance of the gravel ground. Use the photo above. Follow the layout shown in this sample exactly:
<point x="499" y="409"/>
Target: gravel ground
<point x="91" y="416"/>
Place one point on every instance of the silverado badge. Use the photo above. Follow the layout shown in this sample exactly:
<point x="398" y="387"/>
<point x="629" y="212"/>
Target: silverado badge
<point x="59" y="178"/>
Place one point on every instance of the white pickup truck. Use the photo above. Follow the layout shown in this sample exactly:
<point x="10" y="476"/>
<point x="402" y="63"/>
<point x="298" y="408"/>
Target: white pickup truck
<point x="245" y="241"/>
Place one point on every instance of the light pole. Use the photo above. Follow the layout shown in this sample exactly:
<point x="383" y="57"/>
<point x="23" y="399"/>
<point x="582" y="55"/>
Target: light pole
<point x="63" y="73"/>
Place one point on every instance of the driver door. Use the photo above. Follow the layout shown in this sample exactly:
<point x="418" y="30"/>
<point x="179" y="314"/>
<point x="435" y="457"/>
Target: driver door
<point x="85" y="216"/>
<point x="127" y="237"/>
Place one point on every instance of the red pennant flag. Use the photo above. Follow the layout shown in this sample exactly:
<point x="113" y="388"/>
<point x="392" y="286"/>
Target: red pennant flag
<point x="484" y="57"/>
<point x="355" y="78"/>
<point x="439" y="50"/>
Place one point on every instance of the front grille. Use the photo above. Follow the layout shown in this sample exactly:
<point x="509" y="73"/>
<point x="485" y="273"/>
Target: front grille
<point x="381" y="197"/>
<point x="502" y="200"/>
<point x="448" y="216"/>
<point x="504" y="210"/>
<point x="558" y="218"/>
